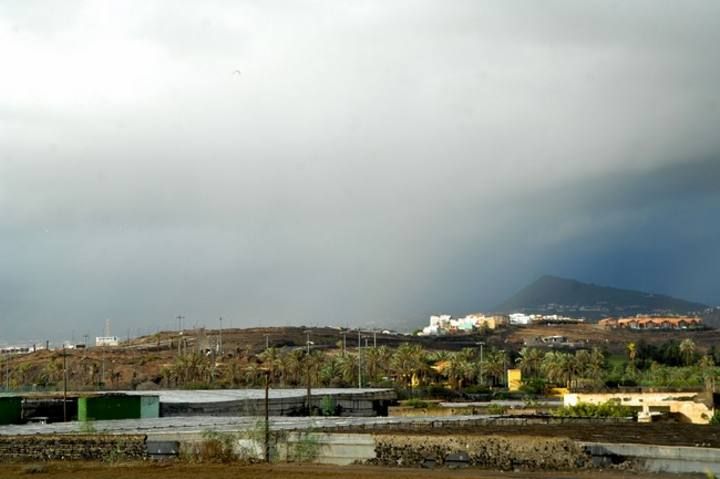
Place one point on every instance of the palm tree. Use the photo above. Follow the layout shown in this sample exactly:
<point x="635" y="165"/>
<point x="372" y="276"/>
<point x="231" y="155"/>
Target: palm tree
<point x="530" y="361"/>
<point x="408" y="360"/>
<point x="311" y="364"/>
<point x="687" y="351"/>
<point x="348" y="367"/>
<point x="376" y="363"/>
<point x="707" y="368"/>
<point x="631" y="349"/>
<point x="270" y="359"/>
<point x="494" y="365"/>
<point x="331" y="373"/>
<point x="457" y="369"/>
<point x="293" y="366"/>
<point x="555" y="367"/>
<point x="596" y="366"/>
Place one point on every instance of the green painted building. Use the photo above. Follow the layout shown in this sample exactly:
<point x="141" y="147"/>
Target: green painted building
<point x="118" y="406"/>
<point x="10" y="410"/>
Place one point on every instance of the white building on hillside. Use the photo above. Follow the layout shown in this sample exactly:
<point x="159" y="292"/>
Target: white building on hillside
<point x="106" y="341"/>
<point x="520" y="319"/>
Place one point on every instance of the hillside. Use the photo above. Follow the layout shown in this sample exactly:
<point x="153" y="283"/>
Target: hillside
<point x="156" y="361"/>
<point x="550" y="294"/>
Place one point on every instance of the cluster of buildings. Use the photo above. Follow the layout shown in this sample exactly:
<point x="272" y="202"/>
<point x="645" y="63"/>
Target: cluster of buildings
<point x="445" y="324"/>
<point x="653" y="322"/>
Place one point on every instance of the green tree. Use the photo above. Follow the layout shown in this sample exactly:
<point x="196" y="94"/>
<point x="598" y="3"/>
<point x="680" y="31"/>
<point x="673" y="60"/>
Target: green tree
<point x="494" y="365"/>
<point x="687" y="350"/>
<point x="407" y="360"/>
<point x="530" y="361"/>
<point x="707" y="369"/>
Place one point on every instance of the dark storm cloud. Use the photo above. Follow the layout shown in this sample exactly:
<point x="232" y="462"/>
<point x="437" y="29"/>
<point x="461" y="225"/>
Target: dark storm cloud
<point x="371" y="162"/>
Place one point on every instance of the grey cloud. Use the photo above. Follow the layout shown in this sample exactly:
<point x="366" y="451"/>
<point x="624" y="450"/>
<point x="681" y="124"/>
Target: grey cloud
<point x="371" y="161"/>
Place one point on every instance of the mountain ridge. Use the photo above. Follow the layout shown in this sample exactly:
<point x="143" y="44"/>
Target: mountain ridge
<point x="555" y="295"/>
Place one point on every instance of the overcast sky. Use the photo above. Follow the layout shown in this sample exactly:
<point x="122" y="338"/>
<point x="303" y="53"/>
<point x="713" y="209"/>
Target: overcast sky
<point x="348" y="163"/>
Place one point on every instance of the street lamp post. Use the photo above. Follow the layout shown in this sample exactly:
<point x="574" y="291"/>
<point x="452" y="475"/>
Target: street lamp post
<point x="359" y="361"/>
<point x="504" y="367"/>
<point x="482" y="366"/>
<point x="267" y="415"/>
<point x="65" y="378"/>
<point x="221" y="344"/>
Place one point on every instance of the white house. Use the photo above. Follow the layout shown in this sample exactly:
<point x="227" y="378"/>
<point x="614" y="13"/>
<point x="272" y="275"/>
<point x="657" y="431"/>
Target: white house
<point x="106" y="341"/>
<point x="520" y="319"/>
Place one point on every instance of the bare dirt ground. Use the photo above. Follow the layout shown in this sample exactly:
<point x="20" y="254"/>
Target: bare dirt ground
<point x="291" y="471"/>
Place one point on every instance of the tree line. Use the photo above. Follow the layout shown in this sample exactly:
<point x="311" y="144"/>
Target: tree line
<point x="409" y="366"/>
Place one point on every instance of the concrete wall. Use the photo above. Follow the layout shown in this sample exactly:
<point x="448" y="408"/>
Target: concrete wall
<point x="688" y="404"/>
<point x="653" y="458"/>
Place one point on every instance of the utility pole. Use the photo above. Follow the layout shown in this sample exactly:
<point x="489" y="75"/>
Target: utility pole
<point x="359" y="361"/>
<point x="267" y="415"/>
<point x="504" y="368"/>
<point x="180" y="319"/>
<point x="344" y="343"/>
<point x="221" y="345"/>
<point x="374" y="338"/>
<point x="85" y="336"/>
<point x="65" y="377"/>
<point x="267" y="342"/>
<point x="102" y="367"/>
<point x="307" y="341"/>
<point x="482" y="372"/>
<point x="308" y="379"/>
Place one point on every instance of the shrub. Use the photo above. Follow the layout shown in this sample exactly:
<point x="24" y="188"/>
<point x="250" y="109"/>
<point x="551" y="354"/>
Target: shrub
<point x="440" y="392"/>
<point x="328" y="406"/>
<point x="476" y="389"/>
<point x="496" y="409"/>
<point x="416" y="403"/>
<point x="214" y="447"/>
<point x="715" y="419"/>
<point x="306" y="449"/>
<point x="534" y="386"/>
<point x="606" y="409"/>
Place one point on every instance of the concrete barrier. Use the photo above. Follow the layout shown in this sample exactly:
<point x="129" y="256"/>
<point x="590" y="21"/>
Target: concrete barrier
<point x="654" y="458"/>
<point x="336" y="448"/>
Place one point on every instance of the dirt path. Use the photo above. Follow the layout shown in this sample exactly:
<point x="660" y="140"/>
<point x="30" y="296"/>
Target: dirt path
<point x="289" y="471"/>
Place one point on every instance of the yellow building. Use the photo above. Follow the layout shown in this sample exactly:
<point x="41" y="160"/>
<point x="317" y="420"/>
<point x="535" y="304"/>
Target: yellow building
<point x="514" y="379"/>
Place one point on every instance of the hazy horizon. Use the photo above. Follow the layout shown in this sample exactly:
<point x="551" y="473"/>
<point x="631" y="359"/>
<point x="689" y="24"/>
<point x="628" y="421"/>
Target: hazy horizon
<point x="349" y="163"/>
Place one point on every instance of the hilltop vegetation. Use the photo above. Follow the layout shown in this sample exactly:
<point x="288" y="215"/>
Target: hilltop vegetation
<point x="169" y="360"/>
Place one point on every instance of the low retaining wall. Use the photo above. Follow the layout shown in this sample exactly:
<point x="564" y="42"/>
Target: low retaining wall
<point x="653" y="458"/>
<point x="477" y="422"/>
<point x="491" y="452"/>
<point x="71" y="447"/>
